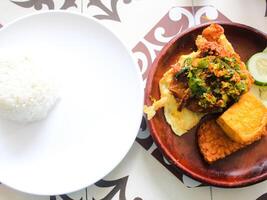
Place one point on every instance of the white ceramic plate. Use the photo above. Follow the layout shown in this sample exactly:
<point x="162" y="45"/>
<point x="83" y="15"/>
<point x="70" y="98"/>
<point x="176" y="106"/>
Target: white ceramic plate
<point x="97" y="118"/>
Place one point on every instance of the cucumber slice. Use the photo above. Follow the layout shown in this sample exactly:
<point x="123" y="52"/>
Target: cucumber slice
<point x="260" y="92"/>
<point x="257" y="66"/>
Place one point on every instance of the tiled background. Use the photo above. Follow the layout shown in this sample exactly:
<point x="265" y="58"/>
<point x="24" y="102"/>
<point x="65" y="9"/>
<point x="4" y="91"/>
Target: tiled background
<point x="140" y="175"/>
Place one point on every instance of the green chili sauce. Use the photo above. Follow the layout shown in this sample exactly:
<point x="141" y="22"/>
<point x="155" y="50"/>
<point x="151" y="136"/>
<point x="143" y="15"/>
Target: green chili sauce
<point x="214" y="81"/>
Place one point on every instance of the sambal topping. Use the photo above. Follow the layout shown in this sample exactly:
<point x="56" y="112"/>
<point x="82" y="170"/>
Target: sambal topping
<point x="215" y="82"/>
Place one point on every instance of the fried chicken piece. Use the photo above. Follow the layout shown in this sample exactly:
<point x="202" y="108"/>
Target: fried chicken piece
<point x="212" y="41"/>
<point x="213" y="143"/>
<point x="212" y="47"/>
<point x="213" y="32"/>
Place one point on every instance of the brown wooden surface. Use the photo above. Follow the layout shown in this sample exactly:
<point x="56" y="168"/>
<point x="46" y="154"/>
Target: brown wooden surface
<point x="244" y="167"/>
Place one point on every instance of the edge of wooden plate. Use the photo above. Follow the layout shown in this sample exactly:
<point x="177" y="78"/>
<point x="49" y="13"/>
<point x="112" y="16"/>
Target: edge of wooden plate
<point x="153" y="130"/>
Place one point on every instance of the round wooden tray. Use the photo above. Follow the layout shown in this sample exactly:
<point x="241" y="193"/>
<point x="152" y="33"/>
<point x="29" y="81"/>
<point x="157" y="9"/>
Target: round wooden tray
<point x="245" y="167"/>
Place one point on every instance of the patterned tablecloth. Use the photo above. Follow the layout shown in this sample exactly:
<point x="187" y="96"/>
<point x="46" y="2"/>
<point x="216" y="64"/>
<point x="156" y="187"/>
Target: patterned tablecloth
<point x="145" y="26"/>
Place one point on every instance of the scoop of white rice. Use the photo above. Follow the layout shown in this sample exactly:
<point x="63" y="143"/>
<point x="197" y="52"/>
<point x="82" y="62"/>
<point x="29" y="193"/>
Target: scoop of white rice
<point x="26" y="94"/>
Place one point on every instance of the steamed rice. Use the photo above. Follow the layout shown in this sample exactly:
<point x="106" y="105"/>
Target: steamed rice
<point x="26" y="94"/>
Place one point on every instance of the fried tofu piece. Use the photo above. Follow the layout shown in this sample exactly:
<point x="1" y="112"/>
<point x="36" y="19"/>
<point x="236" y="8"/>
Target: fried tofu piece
<point x="245" y="121"/>
<point x="213" y="143"/>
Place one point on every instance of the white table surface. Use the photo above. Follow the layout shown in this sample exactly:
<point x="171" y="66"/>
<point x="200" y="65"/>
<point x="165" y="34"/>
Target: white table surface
<point x="140" y="175"/>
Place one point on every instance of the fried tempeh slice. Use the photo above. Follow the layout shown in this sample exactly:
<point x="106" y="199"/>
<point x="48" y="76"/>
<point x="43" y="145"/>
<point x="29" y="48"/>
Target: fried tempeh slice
<point x="213" y="143"/>
<point x="246" y="120"/>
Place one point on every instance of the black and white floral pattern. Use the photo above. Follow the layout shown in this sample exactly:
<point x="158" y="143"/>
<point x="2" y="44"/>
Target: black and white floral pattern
<point x="39" y="4"/>
<point x="176" y="20"/>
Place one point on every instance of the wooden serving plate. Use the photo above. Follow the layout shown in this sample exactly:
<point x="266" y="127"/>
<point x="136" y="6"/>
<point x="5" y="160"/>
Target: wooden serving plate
<point x="245" y="167"/>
